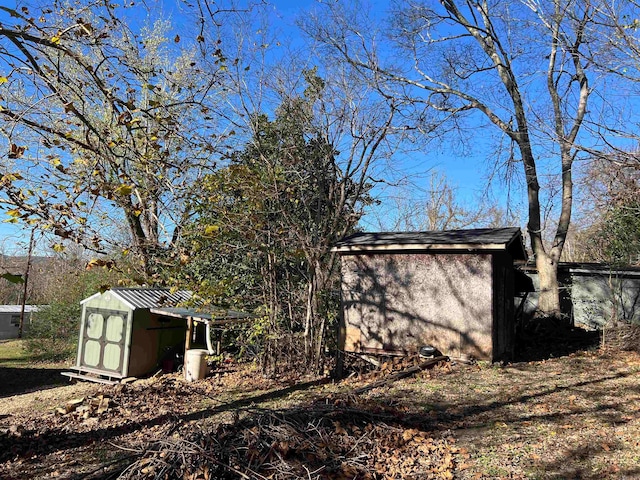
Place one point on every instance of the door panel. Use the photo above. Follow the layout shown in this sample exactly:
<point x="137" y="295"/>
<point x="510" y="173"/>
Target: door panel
<point x="95" y="322"/>
<point x="104" y="338"/>
<point x="115" y="327"/>
<point x="112" y="356"/>
<point x="91" y="356"/>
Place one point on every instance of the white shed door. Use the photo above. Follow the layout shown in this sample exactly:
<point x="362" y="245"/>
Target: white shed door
<point x="103" y="339"/>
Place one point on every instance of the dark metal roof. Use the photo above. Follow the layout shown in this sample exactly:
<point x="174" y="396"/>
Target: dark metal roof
<point x="145" y="297"/>
<point x="508" y="238"/>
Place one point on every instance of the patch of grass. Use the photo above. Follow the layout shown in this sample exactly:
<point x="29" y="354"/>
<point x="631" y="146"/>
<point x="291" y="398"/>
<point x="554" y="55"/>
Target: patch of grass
<point x="19" y="354"/>
<point x="14" y="354"/>
<point x="489" y="463"/>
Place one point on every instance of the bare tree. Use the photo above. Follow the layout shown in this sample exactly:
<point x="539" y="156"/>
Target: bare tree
<point x="439" y="206"/>
<point x="608" y="227"/>
<point x="518" y="68"/>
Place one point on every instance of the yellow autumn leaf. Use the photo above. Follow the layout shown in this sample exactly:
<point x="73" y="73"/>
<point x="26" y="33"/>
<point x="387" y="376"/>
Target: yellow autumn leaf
<point x="210" y="229"/>
<point x="10" y="177"/>
<point x="96" y="262"/>
<point x="123" y="189"/>
<point x="58" y="247"/>
<point x="3" y="80"/>
<point x="14" y="213"/>
<point x="55" y="39"/>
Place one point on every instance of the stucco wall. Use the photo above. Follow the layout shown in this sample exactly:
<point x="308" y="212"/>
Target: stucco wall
<point x="400" y="301"/>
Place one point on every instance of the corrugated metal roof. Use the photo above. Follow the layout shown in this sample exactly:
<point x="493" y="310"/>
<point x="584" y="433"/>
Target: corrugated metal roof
<point x="18" y="308"/>
<point x="218" y="315"/>
<point x="150" y="297"/>
<point x="469" y="239"/>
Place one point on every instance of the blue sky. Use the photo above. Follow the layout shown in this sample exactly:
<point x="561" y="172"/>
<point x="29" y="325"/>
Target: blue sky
<point x="466" y="173"/>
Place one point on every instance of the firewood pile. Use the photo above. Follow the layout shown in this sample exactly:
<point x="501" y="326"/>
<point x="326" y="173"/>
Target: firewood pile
<point x="339" y="439"/>
<point x="622" y="336"/>
<point x="86" y="408"/>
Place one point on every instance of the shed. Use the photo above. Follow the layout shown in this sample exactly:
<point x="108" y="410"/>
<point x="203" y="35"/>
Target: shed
<point x="453" y="290"/>
<point x="10" y="319"/>
<point x="593" y="294"/>
<point x="121" y="337"/>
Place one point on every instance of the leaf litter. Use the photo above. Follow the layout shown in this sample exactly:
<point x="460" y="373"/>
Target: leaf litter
<point x="577" y="416"/>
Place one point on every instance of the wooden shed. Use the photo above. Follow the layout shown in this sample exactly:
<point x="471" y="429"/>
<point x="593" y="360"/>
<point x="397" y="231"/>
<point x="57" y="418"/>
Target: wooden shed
<point x="453" y="290"/>
<point x="125" y="333"/>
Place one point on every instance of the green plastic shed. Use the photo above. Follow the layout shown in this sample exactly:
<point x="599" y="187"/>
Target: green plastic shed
<point x="124" y="333"/>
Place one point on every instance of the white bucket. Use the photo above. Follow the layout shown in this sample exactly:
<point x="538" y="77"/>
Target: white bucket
<point x="195" y="364"/>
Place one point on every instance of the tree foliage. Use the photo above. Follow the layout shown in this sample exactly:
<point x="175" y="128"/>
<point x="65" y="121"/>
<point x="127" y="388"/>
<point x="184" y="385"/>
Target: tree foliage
<point x="58" y="288"/>
<point x="106" y="128"/>
<point x="611" y="231"/>
<point x="268" y="220"/>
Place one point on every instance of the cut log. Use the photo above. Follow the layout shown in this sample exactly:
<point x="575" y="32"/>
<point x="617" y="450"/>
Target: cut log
<point x="407" y="372"/>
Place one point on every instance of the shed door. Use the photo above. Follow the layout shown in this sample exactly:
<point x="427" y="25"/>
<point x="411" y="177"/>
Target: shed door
<point x="104" y="338"/>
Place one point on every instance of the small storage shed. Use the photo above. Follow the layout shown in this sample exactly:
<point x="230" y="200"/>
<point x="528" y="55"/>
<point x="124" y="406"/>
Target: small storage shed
<point x="593" y="294"/>
<point x="453" y="290"/>
<point x="121" y="337"/>
<point x="10" y="319"/>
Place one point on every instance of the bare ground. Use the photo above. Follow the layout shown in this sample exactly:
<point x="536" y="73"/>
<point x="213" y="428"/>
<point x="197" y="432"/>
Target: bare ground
<point x="577" y="416"/>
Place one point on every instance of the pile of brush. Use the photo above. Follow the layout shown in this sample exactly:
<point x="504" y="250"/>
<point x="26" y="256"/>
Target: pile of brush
<point x="621" y="336"/>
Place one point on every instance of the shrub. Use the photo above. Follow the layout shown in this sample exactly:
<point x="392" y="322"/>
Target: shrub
<point x="53" y="333"/>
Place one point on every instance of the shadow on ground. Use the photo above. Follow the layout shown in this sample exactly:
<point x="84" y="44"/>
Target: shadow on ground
<point x="17" y="381"/>
<point x="544" y="338"/>
<point x="483" y="418"/>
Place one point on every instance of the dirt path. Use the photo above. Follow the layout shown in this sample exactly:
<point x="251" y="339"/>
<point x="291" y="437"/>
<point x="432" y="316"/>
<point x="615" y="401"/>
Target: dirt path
<point x="44" y="400"/>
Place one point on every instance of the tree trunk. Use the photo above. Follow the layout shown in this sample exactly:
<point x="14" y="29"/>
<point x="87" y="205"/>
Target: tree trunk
<point x="25" y="289"/>
<point x="315" y="322"/>
<point x="549" y="299"/>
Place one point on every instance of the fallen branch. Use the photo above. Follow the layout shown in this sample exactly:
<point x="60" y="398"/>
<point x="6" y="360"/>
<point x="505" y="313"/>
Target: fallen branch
<point x="401" y="374"/>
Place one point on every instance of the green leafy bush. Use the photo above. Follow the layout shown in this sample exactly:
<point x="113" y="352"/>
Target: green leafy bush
<point x="53" y="333"/>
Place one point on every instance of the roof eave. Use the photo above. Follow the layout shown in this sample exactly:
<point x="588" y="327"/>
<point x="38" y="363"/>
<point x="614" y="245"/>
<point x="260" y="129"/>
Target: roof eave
<point x="95" y="295"/>
<point x="521" y="249"/>
<point x="420" y="247"/>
